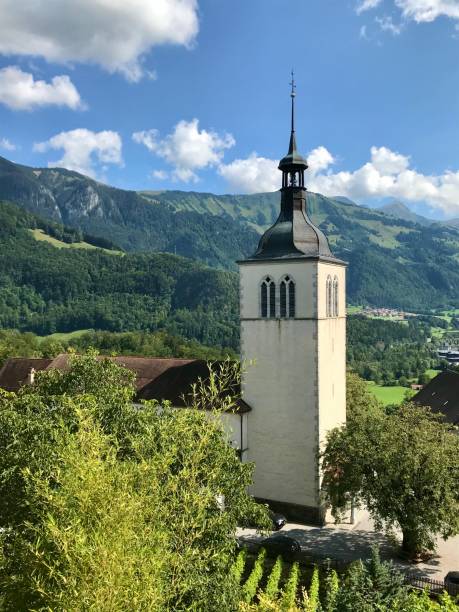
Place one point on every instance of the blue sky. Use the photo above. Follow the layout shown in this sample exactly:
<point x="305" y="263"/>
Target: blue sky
<point x="194" y="95"/>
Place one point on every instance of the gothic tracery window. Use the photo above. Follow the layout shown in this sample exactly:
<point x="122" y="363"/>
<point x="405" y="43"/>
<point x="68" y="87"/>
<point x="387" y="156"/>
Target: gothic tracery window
<point x="268" y="298"/>
<point x="335" y="297"/>
<point x="329" y="300"/>
<point x="287" y="298"/>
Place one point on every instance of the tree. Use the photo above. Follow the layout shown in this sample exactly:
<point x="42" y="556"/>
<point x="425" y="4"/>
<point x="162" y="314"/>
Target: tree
<point x="404" y="467"/>
<point x="106" y="505"/>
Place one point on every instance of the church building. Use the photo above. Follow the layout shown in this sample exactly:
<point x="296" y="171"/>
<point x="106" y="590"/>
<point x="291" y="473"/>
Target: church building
<point x="293" y="350"/>
<point x="293" y="347"/>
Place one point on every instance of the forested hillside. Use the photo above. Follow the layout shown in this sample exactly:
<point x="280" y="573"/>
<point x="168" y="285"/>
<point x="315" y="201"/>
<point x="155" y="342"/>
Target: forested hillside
<point x="45" y="289"/>
<point x="394" y="262"/>
<point x="124" y="217"/>
<point x="69" y="284"/>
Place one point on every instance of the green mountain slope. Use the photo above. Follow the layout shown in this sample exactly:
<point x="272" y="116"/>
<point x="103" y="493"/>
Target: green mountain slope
<point x="401" y="211"/>
<point x="124" y="217"/>
<point x="46" y="289"/>
<point x="393" y="262"/>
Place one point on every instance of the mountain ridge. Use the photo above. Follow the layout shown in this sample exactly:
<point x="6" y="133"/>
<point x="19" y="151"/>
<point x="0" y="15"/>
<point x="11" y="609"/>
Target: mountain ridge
<point x="393" y="262"/>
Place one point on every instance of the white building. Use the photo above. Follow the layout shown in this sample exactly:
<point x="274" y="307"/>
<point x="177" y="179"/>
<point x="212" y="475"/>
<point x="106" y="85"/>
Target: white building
<point x="293" y="329"/>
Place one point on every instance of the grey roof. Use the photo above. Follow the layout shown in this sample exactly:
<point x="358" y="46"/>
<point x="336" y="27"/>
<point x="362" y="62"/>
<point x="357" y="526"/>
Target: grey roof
<point x="442" y="395"/>
<point x="293" y="159"/>
<point x="294" y="235"/>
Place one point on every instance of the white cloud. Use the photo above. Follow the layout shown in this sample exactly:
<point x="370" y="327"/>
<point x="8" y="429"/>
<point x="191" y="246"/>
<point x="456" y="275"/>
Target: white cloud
<point x="114" y="34"/>
<point x="366" y="5"/>
<point x="258" y="174"/>
<point x="415" y="10"/>
<point x="160" y="175"/>
<point x="251" y="175"/>
<point x="187" y="148"/>
<point x="386" y="23"/>
<point x="19" y="90"/>
<point x="386" y="161"/>
<point x="320" y="159"/>
<point x="428" y="10"/>
<point x="387" y="174"/>
<point x="84" y="151"/>
<point x="7" y="145"/>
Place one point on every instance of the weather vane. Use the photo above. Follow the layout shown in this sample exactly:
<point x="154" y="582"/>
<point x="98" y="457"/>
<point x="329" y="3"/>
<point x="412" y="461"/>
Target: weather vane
<point x="292" y="83"/>
<point x="292" y="95"/>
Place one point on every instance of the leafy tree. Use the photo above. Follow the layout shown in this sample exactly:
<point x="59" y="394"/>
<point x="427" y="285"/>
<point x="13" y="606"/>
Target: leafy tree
<point x="105" y="505"/>
<point x="403" y="467"/>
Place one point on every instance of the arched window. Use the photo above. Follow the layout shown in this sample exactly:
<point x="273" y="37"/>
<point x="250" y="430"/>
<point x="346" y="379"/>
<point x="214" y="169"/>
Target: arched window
<point x="329" y="301"/>
<point x="268" y="298"/>
<point x="335" y="297"/>
<point x="287" y="298"/>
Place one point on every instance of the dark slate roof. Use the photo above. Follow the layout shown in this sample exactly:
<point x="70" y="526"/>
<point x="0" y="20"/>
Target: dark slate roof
<point x="15" y="371"/>
<point x="442" y="395"/>
<point x="293" y="160"/>
<point x="160" y="379"/>
<point x="294" y="235"/>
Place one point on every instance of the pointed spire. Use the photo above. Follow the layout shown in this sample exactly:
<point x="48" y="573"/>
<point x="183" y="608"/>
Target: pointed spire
<point x="293" y="161"/>
<point x="292" y="145"/>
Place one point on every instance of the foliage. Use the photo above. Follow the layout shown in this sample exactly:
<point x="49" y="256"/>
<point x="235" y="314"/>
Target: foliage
<point x="288" y="597"/>
<point x="331" y="591"/>
<point x="71" y="445"/>
<point x="313" y="602"/>
<point x="155" y="344"/>
<point x="403" y="467"/>
<point x="369" y="586"/>
<point x="272" y="585"/>
<point x="237" y="569"/>
<point x="250" y="586"/>
<point x="44" y="290"/>
<point x="388" y="351"/>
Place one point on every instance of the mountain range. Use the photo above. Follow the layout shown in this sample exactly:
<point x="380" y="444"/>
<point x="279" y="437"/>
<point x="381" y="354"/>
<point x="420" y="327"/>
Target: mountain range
<point x="401" y="211"/>
<point x="395" y="259"/>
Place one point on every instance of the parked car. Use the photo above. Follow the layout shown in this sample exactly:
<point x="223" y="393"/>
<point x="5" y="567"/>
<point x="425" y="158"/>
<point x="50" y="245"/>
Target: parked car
<point x="283" y="545"/>
<point x="279" y="521"/>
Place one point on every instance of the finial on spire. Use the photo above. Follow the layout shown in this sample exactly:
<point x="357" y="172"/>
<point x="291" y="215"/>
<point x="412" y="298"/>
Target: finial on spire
<point x="292" y="95"/>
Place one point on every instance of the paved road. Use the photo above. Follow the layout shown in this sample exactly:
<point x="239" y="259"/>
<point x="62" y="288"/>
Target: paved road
<point x="351" y="542"/>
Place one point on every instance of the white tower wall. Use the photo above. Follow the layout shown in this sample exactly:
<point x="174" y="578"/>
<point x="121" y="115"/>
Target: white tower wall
<point x="296" y="384"/>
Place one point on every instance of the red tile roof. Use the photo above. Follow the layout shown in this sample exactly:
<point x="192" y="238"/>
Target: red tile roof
<point x="160" y="379"/>
<point x="15" y="371"/>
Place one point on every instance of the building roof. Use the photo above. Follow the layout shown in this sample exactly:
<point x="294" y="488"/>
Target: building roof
<point x="442" y="395"/>
<point x="160" y="379"/>
<point x="15" y="371"/>
<point x="293" y="235"/>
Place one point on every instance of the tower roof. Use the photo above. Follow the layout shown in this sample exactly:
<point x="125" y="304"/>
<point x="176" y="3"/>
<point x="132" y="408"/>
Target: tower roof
<point x="293" y="235"/>
<point x="293" y="159"/>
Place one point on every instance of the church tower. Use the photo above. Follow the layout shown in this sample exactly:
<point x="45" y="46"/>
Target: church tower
<point x="293" y="330"/>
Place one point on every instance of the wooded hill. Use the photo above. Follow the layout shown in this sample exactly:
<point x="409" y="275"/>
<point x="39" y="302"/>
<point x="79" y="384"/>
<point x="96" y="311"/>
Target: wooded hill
<point x="393" y="262"/>
<point x="47" y="288"/>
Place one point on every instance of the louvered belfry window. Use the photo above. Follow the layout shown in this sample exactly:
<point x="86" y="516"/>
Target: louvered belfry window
<point x="283" y="299"/>
<point x="268" y="298"/>
<point x="287" y="298"/>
